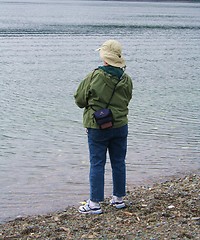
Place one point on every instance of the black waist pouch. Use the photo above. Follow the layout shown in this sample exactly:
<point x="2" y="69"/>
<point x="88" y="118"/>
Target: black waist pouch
<point x="104" y="118"/>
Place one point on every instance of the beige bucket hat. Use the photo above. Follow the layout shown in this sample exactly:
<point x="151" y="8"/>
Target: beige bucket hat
<point x="111" y="52"/>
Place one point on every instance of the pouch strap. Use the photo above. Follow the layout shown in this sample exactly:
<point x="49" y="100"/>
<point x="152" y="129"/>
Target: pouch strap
<point x="111" y="94"/>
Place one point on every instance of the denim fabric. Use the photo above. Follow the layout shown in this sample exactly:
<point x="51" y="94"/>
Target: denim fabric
<point x="113" y="140"/>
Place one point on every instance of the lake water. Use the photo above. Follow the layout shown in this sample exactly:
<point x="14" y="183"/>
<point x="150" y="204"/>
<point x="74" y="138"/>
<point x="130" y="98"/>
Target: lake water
<point x="46" y="49"/>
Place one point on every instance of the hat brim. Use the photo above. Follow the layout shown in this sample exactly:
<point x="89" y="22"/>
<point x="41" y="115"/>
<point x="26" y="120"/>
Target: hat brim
<point x="112" y="59"/>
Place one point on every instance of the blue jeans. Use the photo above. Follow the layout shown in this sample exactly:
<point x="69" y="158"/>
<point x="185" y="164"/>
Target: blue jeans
<point x="115" y="141"/>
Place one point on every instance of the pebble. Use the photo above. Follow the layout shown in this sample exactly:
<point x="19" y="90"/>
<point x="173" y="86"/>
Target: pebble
<point x="195" y="218"/>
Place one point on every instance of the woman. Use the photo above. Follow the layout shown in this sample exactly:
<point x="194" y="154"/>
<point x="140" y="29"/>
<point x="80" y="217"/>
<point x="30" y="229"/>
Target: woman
<point x="110" y="87"/>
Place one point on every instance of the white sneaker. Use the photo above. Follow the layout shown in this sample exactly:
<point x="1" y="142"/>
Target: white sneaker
<point x="86" y="208"/>
<point x="117" y="202"/>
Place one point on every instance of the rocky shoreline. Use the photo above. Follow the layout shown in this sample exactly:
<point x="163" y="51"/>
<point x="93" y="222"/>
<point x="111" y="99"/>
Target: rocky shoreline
<point x="166" y="210"/>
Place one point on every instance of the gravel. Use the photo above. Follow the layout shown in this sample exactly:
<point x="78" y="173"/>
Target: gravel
<point x="166" y="210"/>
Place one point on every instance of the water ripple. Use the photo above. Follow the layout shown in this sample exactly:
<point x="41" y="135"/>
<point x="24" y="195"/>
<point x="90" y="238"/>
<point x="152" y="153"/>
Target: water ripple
<point x="89" y="29"/>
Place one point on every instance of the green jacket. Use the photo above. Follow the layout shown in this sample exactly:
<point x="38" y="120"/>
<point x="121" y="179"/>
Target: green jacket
<point x="97" y="92"/>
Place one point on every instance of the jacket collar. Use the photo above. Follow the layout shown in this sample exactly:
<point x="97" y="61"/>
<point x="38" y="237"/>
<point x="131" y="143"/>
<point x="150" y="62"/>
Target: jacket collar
<point x="114" y="71"/>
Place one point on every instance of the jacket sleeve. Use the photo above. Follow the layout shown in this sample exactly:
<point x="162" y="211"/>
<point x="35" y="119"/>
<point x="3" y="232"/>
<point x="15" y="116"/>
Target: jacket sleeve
<point x="82" y="92"/>
<point x="131" y="89"/>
